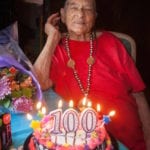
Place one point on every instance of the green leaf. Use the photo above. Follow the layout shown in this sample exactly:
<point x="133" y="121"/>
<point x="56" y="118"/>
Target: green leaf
<point x="1" y="122"/>
<point x="5" y="103"/>
<point x="16" y="94"/>
<point x="27" y="92"/>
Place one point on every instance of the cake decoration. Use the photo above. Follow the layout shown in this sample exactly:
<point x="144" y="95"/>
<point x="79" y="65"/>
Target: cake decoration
<point x="71" y="129"/>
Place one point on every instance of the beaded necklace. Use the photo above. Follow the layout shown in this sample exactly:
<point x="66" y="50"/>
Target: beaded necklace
<point x="90" y="62"/>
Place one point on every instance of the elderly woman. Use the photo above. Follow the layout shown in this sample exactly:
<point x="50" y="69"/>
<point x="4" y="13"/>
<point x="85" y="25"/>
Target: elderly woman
<point x="83" y="63"/>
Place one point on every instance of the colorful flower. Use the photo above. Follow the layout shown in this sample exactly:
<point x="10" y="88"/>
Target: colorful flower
<point x="22" y="104"/>
<point x="17" y="89"/>
<point x="4" y="87"/>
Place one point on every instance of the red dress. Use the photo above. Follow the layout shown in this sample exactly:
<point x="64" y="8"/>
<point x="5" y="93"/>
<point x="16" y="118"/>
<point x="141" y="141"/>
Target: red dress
<point x="114" y="77"/>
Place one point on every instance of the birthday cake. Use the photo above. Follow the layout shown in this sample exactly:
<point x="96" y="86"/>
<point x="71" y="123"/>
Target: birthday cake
<point x="70" y="130"/>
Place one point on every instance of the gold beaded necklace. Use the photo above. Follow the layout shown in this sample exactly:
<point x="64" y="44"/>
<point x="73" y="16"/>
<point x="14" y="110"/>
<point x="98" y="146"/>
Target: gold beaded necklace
<point x="90" y="62"/>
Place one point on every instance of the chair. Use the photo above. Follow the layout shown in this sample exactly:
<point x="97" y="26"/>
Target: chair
<point x="128" y="42"/>
<point x="130" y="46"/>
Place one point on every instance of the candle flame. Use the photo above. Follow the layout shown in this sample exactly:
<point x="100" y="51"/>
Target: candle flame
<point x="89" y="104"/>
<point x="112" y="113"/>
<point x="43" y="110"/>
<point x="29" y="116"/>
<point x="84" y="101"/>
<point x="38" y="105"/>
<point x="60" y="104"/>
<point x="98" y="107"/>
<point x="71" y="103"/>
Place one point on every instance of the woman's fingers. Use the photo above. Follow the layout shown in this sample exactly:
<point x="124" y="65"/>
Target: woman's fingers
<point x="52" y="24"/>
<point x="54" y="19"/>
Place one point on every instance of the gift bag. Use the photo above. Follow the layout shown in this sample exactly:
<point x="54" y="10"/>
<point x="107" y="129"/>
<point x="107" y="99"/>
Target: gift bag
<point x="5" y="130"/>
<point x="19" y="88"/>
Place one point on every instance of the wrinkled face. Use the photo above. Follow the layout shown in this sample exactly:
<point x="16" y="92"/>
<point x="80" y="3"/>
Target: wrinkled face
<point x="79" y="15"/>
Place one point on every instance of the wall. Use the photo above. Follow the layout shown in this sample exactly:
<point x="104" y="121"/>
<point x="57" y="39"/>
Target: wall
<point x="131" y="17"/>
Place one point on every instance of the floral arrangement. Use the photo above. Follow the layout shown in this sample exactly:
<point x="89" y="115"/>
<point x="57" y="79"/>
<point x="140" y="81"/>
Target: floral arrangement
<point x="16" y="89"/>
<point x="19" y="88"/>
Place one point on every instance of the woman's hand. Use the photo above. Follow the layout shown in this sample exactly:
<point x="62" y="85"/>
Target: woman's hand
<point x="52" y="28"/>
<point x="43" y="62"/>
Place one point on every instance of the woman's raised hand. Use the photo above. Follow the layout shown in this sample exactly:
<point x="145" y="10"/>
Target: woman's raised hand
<point x="43" y="62"/>
<point x="52" y="27"/>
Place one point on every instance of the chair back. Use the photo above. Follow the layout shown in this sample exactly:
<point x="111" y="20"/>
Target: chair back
<point x="128" y="42"/>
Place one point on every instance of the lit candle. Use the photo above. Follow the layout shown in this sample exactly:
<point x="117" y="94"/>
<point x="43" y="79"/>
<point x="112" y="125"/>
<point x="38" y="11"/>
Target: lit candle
<point x="98" y="108"/>
<point x="88" y="120"/>
<point x="57" y="118"/>
<point x="71" y="104"/>
<point x="112" y="113"/>
<point x="56" y="114"/>
<point x="43" y="110"/>
<point x="106" y="118"/>
<point x="29" y="116"/>
<point x="60" y="104"/>
<point x="89" y="104"/>
<point x="82" y="104"/>
<point x="84" y="101"/>
<point x="38" y="105"/>
<point x="70" y="121"/>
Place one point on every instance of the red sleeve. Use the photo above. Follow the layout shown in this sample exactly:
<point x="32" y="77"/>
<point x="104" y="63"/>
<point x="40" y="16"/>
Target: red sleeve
<point x="134" y="76"/>
<point x="123" y="62"/>
<point x="130" y="69"/>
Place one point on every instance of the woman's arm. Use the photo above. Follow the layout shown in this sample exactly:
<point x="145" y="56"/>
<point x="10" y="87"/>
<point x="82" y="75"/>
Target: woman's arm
<point x="144" y="113"/>
<point x="43" y="62"/>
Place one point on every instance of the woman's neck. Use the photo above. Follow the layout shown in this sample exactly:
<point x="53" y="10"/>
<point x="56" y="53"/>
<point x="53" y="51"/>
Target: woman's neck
<point x="79" y="37"/>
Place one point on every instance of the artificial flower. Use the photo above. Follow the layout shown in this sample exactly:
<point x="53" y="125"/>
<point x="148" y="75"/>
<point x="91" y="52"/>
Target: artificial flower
<point x="17" y="89"/>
